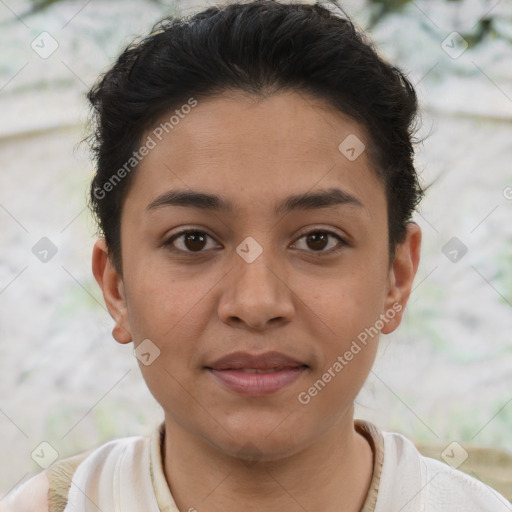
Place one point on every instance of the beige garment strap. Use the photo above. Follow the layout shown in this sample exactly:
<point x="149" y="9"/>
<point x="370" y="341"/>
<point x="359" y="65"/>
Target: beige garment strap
<point x="59" y="476"/>
<point x="163" y="495"/>
<point x="376" y="440"/>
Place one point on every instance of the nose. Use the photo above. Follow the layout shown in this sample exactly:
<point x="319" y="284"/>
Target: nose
<point x="256" y="294"/>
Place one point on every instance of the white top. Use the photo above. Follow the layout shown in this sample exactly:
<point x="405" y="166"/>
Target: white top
<point x="126" y="475"/>
<point x="411" y="482"/>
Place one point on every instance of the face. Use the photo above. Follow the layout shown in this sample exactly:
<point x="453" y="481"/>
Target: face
<point x="260" y="296"/>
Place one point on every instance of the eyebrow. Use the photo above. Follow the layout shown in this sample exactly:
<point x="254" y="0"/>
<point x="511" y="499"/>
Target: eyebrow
<point x="332" y="197"/>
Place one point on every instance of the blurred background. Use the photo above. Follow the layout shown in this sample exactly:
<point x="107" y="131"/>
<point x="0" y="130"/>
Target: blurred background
<point x="444" y="376"/>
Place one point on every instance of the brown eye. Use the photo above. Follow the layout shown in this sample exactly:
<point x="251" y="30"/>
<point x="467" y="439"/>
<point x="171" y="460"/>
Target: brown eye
<point x="317" y="241"/>
<point x="194" y="241"/>
<point x="190" y="241"/>
<point x="321" y="241"/>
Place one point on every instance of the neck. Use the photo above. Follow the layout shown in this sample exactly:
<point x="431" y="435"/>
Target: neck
<point x="333" y="472"/>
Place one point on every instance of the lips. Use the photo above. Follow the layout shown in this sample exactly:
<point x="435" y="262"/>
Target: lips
<point x="243" y="360"/>
<point x="256" y="375"/>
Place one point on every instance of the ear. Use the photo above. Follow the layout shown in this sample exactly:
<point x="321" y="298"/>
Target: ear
<point x="111" y="284"/>
<point x="401" y="276"/>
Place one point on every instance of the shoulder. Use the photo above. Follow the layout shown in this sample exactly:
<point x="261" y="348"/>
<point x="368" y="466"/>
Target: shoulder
<point x="48" y="491"/>
<point x="433" y="485"/>
<point x="452" y="488"/>
<point x="29" y="497"/>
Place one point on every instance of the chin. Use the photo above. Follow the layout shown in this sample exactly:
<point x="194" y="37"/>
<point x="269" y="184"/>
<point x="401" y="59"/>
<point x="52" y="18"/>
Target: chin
<point x="253" y="443"/>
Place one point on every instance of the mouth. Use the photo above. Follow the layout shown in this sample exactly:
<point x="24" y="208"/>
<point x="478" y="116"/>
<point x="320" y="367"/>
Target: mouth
<point x="256" y="375"/>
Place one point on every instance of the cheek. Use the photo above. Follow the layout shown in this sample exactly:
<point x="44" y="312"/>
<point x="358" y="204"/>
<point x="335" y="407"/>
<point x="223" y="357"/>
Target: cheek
<point x="173" y="312"/>
<point x="346" y="303"/>
<point x="347" y="341"/>
<point x="164" y="302"/>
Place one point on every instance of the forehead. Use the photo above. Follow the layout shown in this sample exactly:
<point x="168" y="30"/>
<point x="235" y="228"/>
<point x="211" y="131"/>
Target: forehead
<point x="251" y="149"/>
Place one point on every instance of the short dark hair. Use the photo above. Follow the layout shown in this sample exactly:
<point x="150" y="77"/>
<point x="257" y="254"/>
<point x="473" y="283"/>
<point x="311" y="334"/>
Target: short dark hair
<point x="260" y="47"/>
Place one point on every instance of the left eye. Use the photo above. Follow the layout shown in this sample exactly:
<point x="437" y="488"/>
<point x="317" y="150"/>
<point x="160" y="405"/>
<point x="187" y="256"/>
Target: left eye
<point x="318" y="241"/>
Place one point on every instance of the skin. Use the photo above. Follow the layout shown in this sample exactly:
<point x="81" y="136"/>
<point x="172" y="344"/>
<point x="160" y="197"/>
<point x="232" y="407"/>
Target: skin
<point x="305" y="303"/>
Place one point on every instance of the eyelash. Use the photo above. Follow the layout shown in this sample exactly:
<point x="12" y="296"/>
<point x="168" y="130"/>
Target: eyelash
<point x="169" y="243"/>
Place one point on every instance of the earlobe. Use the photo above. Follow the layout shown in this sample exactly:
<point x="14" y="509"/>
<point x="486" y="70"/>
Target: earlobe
<point x="112" y="287"/>
<point x="401" y="276"/>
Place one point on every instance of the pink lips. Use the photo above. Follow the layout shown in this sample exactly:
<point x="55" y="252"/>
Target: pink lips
<point x="256" y="375"/>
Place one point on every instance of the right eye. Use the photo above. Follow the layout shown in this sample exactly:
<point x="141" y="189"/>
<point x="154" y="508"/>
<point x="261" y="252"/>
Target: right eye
<point x="189" y="241"/>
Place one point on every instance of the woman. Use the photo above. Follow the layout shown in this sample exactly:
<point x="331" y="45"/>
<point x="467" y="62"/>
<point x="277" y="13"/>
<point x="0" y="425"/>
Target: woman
<point x="254" y="190"/>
